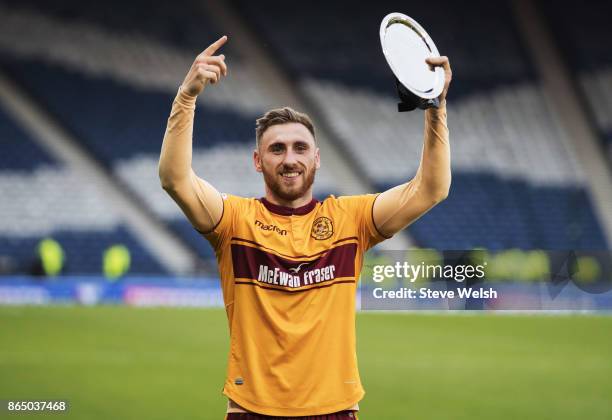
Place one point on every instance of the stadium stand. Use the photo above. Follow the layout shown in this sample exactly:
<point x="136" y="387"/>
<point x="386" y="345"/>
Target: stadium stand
<point x="512" y="165"/>
<point x="583" y="35"/>
<point x="181" y="24"/>
<point x="41" y="197"/>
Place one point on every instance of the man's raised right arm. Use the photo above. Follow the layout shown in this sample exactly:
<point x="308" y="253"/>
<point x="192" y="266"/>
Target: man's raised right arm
<point x="200" y="201"/>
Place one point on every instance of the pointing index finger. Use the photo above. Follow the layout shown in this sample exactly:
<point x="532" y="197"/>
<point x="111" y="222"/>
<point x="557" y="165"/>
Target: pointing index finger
<point x="215" y="45"/>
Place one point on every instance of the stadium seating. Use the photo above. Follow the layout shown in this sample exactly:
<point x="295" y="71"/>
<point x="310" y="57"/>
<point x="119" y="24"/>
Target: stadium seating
<point x="183" y="26"/>
<point x="583" y="35"/>
<point x="510" y="214"/>
<point x="41" y="197"/>
<point x="115" y="120"/>
<point x="18" y="152"/>
<point x="345" y="47"/>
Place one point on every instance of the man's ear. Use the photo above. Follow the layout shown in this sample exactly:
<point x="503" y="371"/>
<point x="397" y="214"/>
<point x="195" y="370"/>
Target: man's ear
<point x="317" y="158"/>
<point x="257" y="160"/>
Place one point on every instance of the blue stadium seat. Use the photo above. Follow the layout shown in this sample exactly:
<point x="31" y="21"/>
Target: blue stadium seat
<point x="19" y="152"/>
<point x="583" y="33"/>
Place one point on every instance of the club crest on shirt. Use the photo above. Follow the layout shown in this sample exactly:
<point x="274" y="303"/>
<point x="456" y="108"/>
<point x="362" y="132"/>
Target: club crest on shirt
<point x="322" y="228"/>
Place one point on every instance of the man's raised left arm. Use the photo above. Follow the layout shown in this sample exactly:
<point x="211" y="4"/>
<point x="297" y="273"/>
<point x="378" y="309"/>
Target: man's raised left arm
<point x="399" y="206"/>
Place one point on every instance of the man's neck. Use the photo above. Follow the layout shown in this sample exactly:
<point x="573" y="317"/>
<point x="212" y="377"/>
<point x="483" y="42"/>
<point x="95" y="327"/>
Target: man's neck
<point x="298" y="202"/>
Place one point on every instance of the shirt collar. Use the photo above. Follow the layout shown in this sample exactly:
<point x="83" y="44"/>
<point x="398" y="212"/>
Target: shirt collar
<point x="289" y="211"/>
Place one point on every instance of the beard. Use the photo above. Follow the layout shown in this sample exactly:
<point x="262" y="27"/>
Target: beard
<point x="285" y="192"/>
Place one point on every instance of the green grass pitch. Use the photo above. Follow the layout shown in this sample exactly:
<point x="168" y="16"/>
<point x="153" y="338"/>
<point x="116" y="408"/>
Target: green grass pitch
<point x="115" y="362"/>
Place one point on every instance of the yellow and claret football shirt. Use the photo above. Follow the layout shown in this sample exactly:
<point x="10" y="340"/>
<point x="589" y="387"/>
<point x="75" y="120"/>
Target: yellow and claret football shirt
<point x="289" y="278"/>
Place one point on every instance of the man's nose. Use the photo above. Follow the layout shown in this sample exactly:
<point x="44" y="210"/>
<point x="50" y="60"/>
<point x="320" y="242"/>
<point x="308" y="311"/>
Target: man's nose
<point x="290" y="158"/>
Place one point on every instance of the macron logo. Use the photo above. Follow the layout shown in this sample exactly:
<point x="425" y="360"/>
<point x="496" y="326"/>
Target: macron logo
<point x="274" y="228"/>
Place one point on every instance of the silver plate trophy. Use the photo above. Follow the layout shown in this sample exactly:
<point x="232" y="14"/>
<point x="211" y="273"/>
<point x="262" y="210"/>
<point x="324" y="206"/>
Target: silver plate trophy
<point x="406" y="45"/>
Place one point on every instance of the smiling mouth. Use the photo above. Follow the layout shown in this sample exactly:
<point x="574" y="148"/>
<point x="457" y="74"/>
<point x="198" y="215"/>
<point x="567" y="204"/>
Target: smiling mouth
<point x="290" y="175"/>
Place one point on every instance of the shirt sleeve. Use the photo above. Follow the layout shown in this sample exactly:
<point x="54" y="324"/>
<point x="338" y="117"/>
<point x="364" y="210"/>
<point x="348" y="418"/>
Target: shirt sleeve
<point x="223" y="231"/>
<point x="401" y="205"/>
<point x="359" y="208"/>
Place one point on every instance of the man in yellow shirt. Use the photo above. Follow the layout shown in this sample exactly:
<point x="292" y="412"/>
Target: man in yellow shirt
<point x="288" y="263"/>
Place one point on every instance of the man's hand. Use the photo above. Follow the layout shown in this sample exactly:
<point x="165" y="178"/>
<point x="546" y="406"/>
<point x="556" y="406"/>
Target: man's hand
<point x="448" y="73"/>
<point x="206" y="68"/>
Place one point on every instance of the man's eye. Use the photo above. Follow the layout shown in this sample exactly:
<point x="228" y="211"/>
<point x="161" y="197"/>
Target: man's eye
<point x="276" y="149"/>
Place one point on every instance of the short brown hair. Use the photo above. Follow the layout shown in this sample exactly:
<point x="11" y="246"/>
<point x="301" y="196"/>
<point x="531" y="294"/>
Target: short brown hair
<point x="281" y="116"/>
